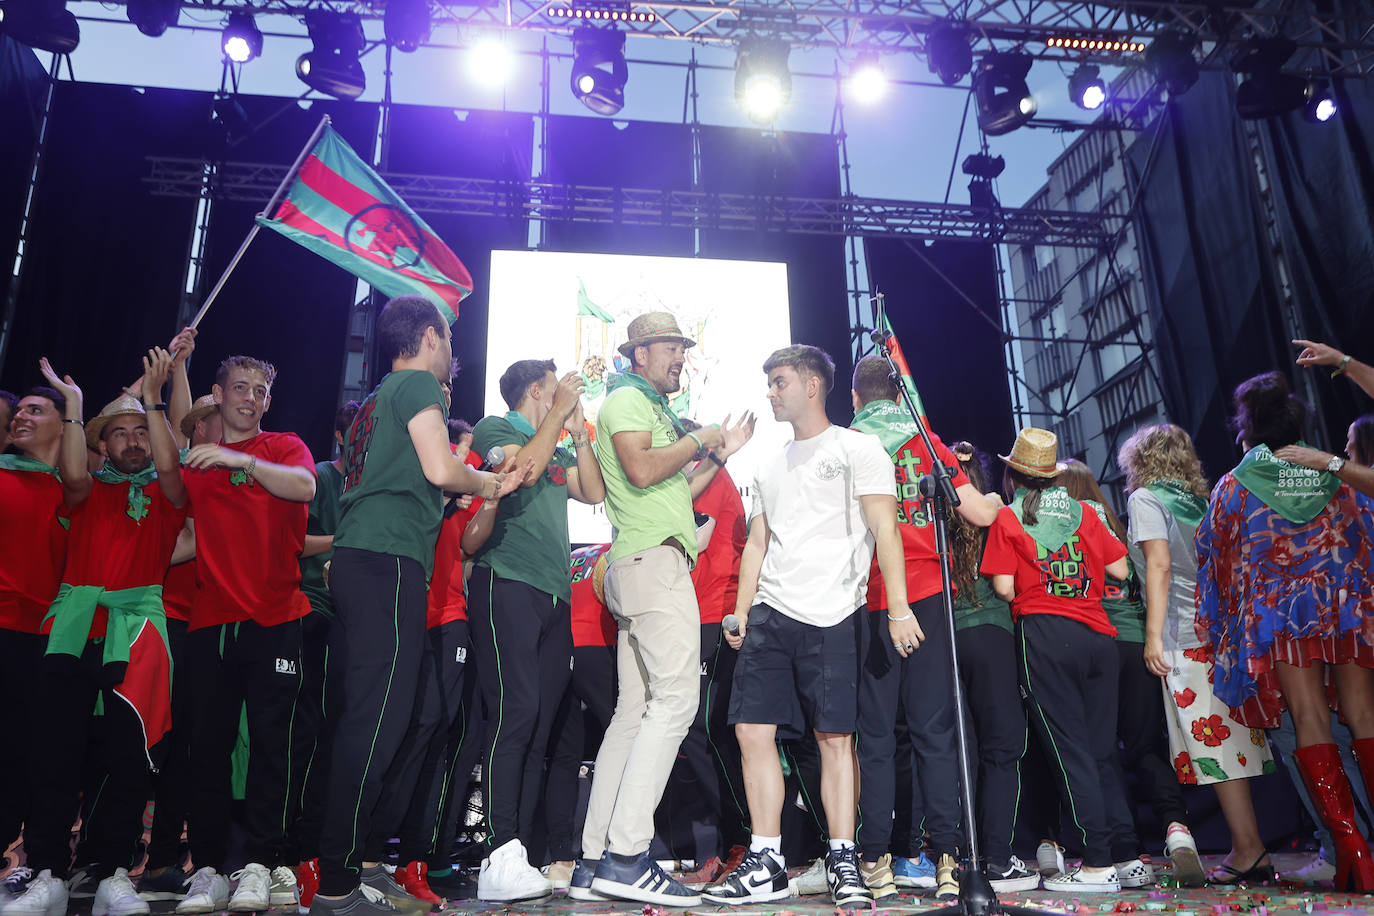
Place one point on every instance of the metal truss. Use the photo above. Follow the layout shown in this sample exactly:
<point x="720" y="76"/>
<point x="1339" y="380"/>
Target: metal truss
<point x="542" y="200"/>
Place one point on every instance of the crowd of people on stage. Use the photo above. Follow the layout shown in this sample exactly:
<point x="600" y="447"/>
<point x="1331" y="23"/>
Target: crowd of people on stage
<point x="301" y="664"/>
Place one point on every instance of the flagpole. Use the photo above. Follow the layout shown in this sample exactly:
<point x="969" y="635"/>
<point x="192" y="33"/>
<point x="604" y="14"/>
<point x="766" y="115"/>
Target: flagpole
<point x="252" y="233"/>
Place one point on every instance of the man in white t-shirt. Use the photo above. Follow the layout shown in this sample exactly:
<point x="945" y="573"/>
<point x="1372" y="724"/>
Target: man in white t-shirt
<point x="819" y="508"/>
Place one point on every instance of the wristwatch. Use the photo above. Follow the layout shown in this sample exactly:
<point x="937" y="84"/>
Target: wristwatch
<point x="1335" y="464"/>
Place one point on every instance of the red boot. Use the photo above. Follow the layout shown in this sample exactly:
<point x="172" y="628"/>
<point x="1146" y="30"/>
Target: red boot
<point x="1364" y="753"/>
<point x="1330" y="790"/>
<point x="414" y="877"/>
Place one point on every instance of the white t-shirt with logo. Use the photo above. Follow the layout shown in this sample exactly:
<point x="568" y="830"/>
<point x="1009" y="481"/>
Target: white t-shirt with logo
<point x="819" y="549"/>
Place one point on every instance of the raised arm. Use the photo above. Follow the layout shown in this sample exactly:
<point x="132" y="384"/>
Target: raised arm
<point x="584" y="481"/>
<point x="157" y="365"/>
<point x="450" y="473"/>
<point x="71" y="461"/>
<point x="1320" y="354"/>
<point x="733" y="438"/>
<point x="180" y="400"/>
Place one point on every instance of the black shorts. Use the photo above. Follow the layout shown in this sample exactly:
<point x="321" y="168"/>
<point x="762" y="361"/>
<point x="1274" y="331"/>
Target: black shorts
<point x="791" y="674"/>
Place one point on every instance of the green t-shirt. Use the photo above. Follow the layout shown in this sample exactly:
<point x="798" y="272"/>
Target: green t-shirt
<point x="979" y="606"/>
<point x="388" y="505"/>
<point x="642" y="517"/>
<point x="1125" y="610"/>
<point x="529" y="540"/>
<point x="324" y="519"/>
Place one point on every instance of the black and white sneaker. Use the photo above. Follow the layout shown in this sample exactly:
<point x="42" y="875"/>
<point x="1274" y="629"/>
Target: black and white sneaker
<point x="759" y="878"/>
<point x="1015" y="877"/>
<point x="847" y="886"/>
<point x="580" y="884"/>
<point x="641" y="879"/>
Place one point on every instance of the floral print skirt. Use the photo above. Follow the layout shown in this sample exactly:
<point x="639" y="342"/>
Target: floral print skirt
<point x="1206" y="744"/>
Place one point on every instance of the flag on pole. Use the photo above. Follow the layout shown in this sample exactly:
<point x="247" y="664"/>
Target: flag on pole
<point x="585" y="306"/>
<point x="342" y="210"/>
<point x="908" y="383"/>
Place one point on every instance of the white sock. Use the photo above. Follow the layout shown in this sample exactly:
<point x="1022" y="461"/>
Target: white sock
<point x="768" y="844"/>
<point x="839" y="845"/>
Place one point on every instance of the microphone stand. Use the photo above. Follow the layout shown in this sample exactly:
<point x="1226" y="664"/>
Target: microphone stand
<point x="976" y="896"/>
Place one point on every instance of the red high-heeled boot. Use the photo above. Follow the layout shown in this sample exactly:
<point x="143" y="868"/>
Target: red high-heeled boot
<point x="1321" y="769"/>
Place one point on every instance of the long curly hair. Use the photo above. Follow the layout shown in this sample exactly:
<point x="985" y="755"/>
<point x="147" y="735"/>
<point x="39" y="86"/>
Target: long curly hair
<point x="1162" y="452"/>
<point x="1081" y="483"/>
<point x="966" y="540"/>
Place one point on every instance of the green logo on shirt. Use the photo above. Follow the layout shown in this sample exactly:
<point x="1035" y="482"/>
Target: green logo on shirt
<point x="239" y="477"/>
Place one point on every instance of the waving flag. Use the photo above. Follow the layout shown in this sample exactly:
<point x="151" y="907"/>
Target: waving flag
<point x="899" y="360"/>
<point x="342" y="210"/>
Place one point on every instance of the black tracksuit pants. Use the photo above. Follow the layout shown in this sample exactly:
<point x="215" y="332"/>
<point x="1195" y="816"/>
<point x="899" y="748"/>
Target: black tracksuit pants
<point x="522" y="643"/>
<point x="1144" y="736"/>
<point x="233" y="667"/>
<point x="593" y="683"/>
<point x="464" y="747"/>
<point x="375" y="652"/>
<point x="19" y="654"/>
<point x="307" y="733"/>
<point x="172" y="782"/>
<point x="1068" y="675"/>
<point x="921" y="684"/>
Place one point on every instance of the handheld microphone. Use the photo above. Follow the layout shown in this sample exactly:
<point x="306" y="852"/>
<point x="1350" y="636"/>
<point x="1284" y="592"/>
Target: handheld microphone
<point x="496" y="456"/>
<point x="730" y="624"/>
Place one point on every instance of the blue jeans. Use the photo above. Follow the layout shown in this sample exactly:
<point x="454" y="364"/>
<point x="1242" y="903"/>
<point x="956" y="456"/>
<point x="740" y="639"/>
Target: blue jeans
<point x="1284" y="740"/>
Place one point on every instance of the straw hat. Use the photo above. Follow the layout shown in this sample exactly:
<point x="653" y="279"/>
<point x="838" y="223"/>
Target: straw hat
<point x="1034" y="453"/>
<point x="203" y="407"/>
<point x="126" y="405"/>
<point x="652" y="326"/>
<point x="599" y="578"/>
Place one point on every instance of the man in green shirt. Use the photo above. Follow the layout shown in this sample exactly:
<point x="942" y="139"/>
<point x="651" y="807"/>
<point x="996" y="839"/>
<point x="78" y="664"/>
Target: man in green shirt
<point x="397" y="465"/>
<point x="644" y="452"/>
<point x="519" y="598"/>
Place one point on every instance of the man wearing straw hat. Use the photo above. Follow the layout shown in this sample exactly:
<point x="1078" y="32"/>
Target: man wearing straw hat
<point x="106" y="641"/>
<point x="643" y="451"/>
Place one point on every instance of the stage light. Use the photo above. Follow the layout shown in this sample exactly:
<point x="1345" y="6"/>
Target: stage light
<point x="241" y="39"/>
<point x="599" y="71"/>
<point x="948" y="53"/>
<point x="1170" y="59"/>
<point x="332" y="66"/>
<point x="763" y="84"/>
<point x="1266" y="91"/>
<point x="609" y="11"/>
<point x="44" y="25"/>
<point x="1321" y="103"/>
<point x="1086" y="88"/>
<point x="867" y="82"/>
<point x="153" y="17"/>
<point x="490" y="62"/>
<point x="406" y="24"/>
<point x="999" y="86"/>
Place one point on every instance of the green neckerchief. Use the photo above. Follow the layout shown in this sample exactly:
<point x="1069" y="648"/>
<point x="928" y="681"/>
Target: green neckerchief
<point x="1183" y="504"/>
<point x="1057" y="517"/>
<point x="138" y="500"/>
<point x="635" y="380"/>
<point x="1297" y="493"/>
<point x="887" y="420"/>
<point x="25" y="463"/>
<point x="595" y="387"/>
<point x="517" y="419"/>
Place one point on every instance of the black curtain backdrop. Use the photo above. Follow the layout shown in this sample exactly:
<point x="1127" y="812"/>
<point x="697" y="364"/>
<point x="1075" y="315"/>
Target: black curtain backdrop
<point x="1211" y="281"/>
<point x="943" y="303"/>
<point x="106" y="260"/>
<point x="282" y="304"/>
<point x="479" y="144"/>
<point x="1324" y="190"/>
<point x="748" y="161"/>
<point x="23" y="85"/>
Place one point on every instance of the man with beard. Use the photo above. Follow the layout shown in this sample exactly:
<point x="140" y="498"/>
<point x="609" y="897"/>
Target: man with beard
<point x="106" y="642"/>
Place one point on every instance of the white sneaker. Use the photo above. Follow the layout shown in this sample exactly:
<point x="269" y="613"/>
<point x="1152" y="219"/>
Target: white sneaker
<point x="115" y="896"/>
<point x="253" y="893"/>
<point x="282" y="890"/>
<point x="1181" y="849"/>
<point x="208" y="893"/>
<point x="1318" y="871"/>
<point x="1049" y="858"/>
<point x="1135" y="873"/>
<point x="507" y="875"/>
<point x="44" y="896"/>
<point x="1075" y="881"/>
<point x="813" y="880"/>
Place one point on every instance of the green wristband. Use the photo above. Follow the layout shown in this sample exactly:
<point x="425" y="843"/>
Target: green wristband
<point x="701" y="446"/>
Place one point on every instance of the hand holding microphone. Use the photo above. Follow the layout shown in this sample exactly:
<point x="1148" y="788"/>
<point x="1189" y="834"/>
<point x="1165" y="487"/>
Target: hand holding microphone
<point x="734" y="627"/>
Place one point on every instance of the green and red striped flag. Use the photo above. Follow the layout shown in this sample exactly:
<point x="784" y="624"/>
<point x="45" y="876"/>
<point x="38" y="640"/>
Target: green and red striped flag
<point x="908" y="383"/>
<point x="342" y="210"/>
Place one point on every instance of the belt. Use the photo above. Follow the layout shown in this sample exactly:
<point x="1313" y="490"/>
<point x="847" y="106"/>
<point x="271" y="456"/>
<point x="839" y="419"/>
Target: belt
<point x="676" y="545"/>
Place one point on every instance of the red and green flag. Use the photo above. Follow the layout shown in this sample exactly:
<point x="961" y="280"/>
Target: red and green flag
<point x="908" y="384"/>
<point x="342" y="210"/>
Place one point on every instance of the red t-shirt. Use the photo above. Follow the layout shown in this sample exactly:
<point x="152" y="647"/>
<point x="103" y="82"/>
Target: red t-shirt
<point x="179" y="590"/>
<point x="592" y="623"/>
<point x="716" y="575"/>
<point x="911" y="463"/>
<point x="447" y="601"/>
<point x="248" y="542"/>
<point x="33" y="547"/>
<point x="1068" y="581"/>
<point x="109" y="548"/>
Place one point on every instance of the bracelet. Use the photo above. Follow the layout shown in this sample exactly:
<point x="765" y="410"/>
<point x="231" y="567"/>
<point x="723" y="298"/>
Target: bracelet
<point x="251" y="466"/>
<point x="81" y="423"/>
<point x="720" y="462"/>
<point x="1340" y="369"/>
<point x="149" y="407"/>
<point x="908" y="616"/>
<point x="578" y="443"/>
<point x="701" y="446"/>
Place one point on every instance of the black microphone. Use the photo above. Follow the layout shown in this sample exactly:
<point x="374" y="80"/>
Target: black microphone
<point x="730" y="624"/>
<point x="496" y="456"/>
<point x="879" y="336"/>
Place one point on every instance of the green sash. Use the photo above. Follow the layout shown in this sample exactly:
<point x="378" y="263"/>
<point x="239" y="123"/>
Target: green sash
<point x="25" y="463"/>
<point x="887" y="420"/>
<point x="1057" y="517"/>
<point x="73" y="610"/>
<point x="1297" y="493"/>
<point x="138" y="500"/>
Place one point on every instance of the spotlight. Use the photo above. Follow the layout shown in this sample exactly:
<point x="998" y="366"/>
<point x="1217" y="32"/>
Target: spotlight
<point x="1321" y="103"/>
<point x="1086" y="88"/>
<point x="867" y="82"/>
<point x="1267" y="92"/>
<point x="599" y="71"/>
<point x="1171" y="60"/>
<point x="44" y="25"/>
<point x="489" y="62"/>
<point x="605" y="10"/>
<point x="999" y="85"/>
<point x="763" y="84"/>
<point x="332" y="66"/>
<point x="153" y="17"/>
<point x="241" y="40"/>
<point x="948" y="53"/>
<point x="406" y="24"/>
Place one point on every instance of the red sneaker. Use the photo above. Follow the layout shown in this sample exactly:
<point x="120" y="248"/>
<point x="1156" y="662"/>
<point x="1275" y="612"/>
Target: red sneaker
<point x="307" y="883"/>
<point x="415" y="879"/>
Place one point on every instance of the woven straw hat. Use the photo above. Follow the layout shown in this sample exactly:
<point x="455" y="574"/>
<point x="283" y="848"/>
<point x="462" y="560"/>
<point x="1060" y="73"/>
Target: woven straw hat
<point x="1034" y="453"/>
<point x="203" y="407"/>
<point x="125" y="405"/>
<point x="652" y="326"/>
<point x="599" y="578"/>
